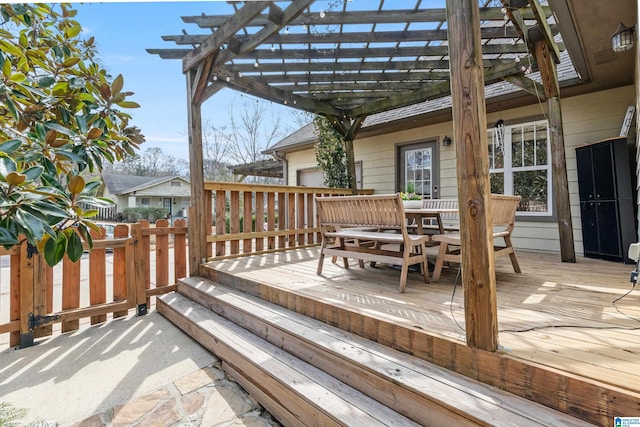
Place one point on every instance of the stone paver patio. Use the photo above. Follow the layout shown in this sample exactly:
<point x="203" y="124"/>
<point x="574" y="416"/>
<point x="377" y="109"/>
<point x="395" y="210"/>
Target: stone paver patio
<point x="203" y="398"/>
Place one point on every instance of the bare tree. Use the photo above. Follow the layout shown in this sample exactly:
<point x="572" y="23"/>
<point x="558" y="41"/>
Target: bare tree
<point x="152" y="162"/>
<point x="216" y="153"/>
<point x="299" y="119"/>
<point x="252" y="129"/>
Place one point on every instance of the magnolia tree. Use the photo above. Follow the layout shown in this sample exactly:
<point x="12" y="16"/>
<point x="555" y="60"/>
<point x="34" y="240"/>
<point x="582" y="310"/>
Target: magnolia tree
<point x="61" y="119"/>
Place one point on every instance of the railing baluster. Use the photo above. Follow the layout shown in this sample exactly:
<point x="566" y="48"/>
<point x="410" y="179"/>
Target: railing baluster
<point x="259" y="220"/>
<point x="247" y="213"/>
<point x="234" y="220"/>
<point x="271" y="219"/>
<point x="221" y="225"/>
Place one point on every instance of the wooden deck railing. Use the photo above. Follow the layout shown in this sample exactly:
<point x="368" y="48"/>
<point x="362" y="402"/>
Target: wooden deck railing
<point x="34" y="296"/>
<point x="249" y="219"/>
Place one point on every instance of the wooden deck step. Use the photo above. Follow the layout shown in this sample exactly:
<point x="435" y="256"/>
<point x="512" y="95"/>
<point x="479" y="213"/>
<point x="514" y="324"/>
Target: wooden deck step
<point x="293" y="391"/>
<point x="425" y="393"/>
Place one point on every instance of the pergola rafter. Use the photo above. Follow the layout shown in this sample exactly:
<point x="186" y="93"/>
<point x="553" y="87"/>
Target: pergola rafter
<point x="350" y="63"/>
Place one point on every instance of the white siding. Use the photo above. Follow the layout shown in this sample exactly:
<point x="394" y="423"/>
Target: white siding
<point x="166" y="190"/>
<point x="586" y="118"/>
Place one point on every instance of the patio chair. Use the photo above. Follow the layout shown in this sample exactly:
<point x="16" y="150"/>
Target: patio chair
<point x="503" y="214"/>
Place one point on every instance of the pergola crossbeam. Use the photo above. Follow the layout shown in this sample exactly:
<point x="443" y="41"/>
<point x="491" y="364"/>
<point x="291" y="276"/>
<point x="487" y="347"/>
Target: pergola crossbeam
<point x="274" y="94"/>
<point x="359" y="17"/>
<point x="317" y="54"/>
<point x="497" y="33"/>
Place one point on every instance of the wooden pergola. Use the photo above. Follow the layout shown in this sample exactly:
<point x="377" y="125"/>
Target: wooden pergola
<point x="347" y="60"/>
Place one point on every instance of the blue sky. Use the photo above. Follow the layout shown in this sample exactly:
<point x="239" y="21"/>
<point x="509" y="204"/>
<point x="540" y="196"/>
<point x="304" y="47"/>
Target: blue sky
<point x="123" y="30"/>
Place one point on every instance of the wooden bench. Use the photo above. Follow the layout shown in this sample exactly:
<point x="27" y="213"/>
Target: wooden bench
<point x="347" y="224"/>
<point x="503" y="214"/>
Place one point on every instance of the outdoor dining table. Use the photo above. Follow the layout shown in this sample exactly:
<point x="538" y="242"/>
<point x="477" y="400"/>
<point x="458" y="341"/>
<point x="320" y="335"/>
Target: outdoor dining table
<point x="418" y="215"/>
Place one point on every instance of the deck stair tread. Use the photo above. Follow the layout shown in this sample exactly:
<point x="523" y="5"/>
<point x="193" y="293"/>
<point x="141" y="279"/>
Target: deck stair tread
<point x="293" y="390"/>
<point x="410" y="385"/>
<point x="424" y="392"/>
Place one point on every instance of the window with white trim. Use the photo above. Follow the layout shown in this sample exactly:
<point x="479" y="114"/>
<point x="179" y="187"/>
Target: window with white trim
<point x="519" y="164"/>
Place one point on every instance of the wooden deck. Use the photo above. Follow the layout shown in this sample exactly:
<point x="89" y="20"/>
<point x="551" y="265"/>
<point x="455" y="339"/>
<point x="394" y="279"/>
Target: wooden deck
<point x="553" y="314"/>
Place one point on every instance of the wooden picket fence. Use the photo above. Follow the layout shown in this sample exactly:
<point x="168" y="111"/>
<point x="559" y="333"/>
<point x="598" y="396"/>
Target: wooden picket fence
<point x="35" y="297"/>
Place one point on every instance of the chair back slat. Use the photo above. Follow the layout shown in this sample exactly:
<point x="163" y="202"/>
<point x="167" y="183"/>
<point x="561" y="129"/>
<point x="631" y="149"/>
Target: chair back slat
<point x="503" y="209"/>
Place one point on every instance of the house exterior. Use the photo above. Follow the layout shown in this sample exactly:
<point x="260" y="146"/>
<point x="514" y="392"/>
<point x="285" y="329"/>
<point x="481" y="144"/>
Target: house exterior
<point x="598" y="100"/>
<point x="170" y="192"/>
<point x="408" y="144"/>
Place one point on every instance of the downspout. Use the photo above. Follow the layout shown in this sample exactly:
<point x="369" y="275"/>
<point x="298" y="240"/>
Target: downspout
<point x="285" y="166"/>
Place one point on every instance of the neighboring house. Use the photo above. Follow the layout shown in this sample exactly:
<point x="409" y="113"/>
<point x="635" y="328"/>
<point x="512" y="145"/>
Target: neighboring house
<point x="414" y="144"/>
<point x="127" y="191"/>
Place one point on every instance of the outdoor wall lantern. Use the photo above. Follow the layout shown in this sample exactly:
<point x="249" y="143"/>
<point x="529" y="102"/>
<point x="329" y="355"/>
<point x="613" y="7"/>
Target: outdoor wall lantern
<point x="622" y="39"/>
<point x="446" y="141"/>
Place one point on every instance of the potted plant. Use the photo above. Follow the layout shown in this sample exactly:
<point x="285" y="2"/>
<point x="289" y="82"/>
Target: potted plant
<point x="410" y="199"/>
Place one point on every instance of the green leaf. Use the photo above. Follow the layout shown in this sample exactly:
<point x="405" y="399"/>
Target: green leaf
<point x="10" y="48"/>
<point x="90" y="213"/>
<point x="87" y="98"/>
<point x="9" y="164"/>
<point x="7" y="238"/>
<point x="128" y="104"/>
<point x="74" y="247"/>
<point x="18" y="77"/>
<point x="73" y="31"/>
<point x="70" y="156"/>
<point x="98" y="202"/>
<point x="6" y="68"/>
<point x="59" y="128"/>
<point x="12" y="108"/>
<point x="117" y="84"/>
<point x="82" y="124"/>
<point x="91" y="187"/>
<point x="40" y="131"/>
<point x="23" y="41"/>
<point x="46" y="81"/>
<point x="54" y="249"/>
<point x="31" y="225"/>
<point x="34" y="172"/>
<point x="70" y="62"/>
<point x="85" y="234"/>
<point x="10" y="146"/>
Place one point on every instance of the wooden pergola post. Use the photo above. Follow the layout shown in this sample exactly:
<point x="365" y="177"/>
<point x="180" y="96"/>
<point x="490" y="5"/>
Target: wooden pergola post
<point x="197" y="218"/>
<point x="549" y="75"/>
<point x="540" y="41"/>
<point x="470" y="135"/>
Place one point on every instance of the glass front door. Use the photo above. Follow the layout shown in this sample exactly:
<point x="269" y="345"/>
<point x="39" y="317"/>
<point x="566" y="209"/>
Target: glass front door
<point x="166" y="203"/>
<point x="418" y="169"/>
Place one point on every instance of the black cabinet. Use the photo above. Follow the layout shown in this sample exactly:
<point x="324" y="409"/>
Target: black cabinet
<point x="607" y="203"/>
